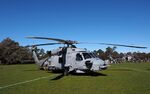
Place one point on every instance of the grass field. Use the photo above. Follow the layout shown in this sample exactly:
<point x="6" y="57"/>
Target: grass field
<point x="127" y="78"/>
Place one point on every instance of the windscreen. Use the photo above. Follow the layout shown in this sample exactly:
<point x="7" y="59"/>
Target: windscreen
<point x="86" y="55"/>
<point x="92" y="55"/>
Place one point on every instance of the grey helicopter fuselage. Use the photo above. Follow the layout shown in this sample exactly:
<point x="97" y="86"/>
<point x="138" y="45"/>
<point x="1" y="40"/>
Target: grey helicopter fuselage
<point x="74" y="59"/>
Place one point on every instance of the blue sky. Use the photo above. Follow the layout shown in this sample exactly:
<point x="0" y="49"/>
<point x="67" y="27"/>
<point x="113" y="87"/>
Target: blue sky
<point x="110" y="21"/>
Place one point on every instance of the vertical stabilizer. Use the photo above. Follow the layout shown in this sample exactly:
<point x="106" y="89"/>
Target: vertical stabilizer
<point x="41" y="63"/>
<point x="35" y="58"/>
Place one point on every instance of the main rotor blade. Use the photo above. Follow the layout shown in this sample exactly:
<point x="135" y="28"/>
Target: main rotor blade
<point x="131" y="46"/>
<point x="70" y="42"/>
<point x="56" y="39"/>
<point x="43" y="44"/>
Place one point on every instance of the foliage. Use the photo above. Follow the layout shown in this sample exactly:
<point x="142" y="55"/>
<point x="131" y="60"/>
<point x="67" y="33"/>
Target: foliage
<point x="112" y="53"/>
<point x="12" y="53"/>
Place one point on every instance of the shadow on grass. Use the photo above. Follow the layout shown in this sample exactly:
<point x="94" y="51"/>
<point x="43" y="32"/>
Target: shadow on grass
<point x="93" y="74"/>
<point x="148" y="69"/>
<point x="58" y="77"/>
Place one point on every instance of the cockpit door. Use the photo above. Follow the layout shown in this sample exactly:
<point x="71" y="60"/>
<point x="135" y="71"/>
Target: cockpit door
<point x="79" y="61"/>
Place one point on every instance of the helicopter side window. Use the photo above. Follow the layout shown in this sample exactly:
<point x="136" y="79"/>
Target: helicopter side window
<point x="60" y="60"/>
<point x="78" y="57"/>
<point x="86" y="55"/>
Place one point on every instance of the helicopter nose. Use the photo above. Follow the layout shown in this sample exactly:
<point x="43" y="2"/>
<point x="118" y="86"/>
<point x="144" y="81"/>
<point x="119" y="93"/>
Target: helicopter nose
<point x="103" y="67"/>
<point x="98" y="65"/>
<point x="95" y="66"/>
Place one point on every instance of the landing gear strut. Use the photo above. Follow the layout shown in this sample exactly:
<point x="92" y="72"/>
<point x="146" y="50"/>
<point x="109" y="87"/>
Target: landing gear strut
<point x="66" y="71"/>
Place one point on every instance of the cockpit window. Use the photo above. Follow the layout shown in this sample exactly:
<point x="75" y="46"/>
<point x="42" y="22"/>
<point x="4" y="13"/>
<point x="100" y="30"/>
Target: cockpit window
<point x="79" y="57"/>
<point x="92" y="55"/>
<point x="86" y="55"/>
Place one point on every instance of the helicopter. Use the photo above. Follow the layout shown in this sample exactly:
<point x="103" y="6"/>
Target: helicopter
<point x="70" y="58"/>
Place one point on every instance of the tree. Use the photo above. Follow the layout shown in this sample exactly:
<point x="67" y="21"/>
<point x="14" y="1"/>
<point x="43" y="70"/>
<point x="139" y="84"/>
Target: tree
<point x="101" y="54"/>
<point x="115" y="55"/>
<point x="12" y="53"/>
<point x="109" y="52"/>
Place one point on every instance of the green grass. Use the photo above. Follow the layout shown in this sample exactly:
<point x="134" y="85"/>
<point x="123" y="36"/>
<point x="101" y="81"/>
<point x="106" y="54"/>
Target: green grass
<point x="127" y="78"/>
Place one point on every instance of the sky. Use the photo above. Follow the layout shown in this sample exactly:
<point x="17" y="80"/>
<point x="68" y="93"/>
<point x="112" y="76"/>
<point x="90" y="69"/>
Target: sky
<point x="109" y="21"/>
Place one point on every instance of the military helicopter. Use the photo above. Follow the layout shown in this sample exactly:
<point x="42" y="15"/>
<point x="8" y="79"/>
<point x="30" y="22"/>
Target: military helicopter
<point x="70" y="58"/>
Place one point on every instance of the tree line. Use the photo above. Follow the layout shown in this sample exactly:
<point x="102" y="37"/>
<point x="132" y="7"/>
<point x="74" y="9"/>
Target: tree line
<point x="12" y="53"/>
<point x="115" y="57"/>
